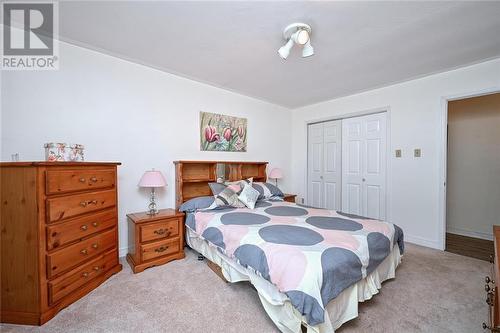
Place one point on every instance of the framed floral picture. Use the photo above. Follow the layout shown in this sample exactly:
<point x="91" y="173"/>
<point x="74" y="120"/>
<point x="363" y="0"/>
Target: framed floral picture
<point x="219" y="132"/>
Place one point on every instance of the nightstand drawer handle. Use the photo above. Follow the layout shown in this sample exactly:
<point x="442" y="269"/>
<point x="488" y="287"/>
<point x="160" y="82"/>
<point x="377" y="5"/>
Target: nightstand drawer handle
<point x="85" y="274"/>
<point x="93" y="202"/>
<point x="82" y="180"/>
<point x="93" y="179"/>
<point x="83" y="203"/>
<point x="161" y="232"/>
<point x="161" y="249"/>
<point x="84" y="227"/>
<point x="84" y="251"/>
<point x="96" y="268"/>
<point x="95" y="246"/>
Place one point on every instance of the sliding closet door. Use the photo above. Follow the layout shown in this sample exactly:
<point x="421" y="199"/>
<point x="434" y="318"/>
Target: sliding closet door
<point x="315" y="165"/>
<point x="352" y="168"/>
<point x="324" y="165"/>
<point x="332" y="175"/>
<point x="364" y="165"/>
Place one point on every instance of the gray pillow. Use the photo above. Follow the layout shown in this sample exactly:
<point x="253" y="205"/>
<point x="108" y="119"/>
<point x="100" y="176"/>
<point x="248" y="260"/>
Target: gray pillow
<point x="267" y="190"/>
<point x="196" y="203"/>
<point x="216" y="188"/>
<point x="275" y="191"/>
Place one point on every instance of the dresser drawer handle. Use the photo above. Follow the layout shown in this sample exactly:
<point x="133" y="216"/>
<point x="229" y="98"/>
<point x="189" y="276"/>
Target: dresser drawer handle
<point x="161" y="232"/>
<point x="83" y="203"/>
<point x="84" y="227"/>
<point x="95" y="224"/>
<point x="82" y="180"/>
<point x="84" y="251"/>
<point x="96" y="268"/>
<point x="93" y="179"/>
<point x="85" y="274"/>
<point x="161" y="249"/>
<point x="94" y="202"/>
<point x="95" y="246"/>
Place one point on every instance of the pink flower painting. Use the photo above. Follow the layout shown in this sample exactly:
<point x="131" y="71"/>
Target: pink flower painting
<point x="222" y="133"/>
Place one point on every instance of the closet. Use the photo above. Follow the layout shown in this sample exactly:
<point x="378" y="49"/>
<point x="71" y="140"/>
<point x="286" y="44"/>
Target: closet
<point x="347" y="165"/>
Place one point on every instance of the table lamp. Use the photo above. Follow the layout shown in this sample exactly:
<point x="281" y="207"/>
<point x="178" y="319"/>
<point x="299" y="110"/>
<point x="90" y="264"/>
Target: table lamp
<point x="276" y="174"/>
<point x="152" y="179"/>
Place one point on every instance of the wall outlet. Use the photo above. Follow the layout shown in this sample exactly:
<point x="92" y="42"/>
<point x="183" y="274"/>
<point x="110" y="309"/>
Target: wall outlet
<point x="417" y="152"/>
<point x="398" y="152"/>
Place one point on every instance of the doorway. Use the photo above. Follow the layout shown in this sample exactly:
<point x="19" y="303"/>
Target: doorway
<point x="473" y="175"/>
<point x="346" y="165"/>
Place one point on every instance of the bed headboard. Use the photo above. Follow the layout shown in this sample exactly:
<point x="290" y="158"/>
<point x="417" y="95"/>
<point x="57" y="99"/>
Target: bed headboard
<point x="192" y="177"/>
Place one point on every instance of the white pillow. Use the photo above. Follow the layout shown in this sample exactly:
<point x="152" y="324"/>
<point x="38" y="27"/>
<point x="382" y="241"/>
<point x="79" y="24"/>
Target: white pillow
<point x="249" y="196"/>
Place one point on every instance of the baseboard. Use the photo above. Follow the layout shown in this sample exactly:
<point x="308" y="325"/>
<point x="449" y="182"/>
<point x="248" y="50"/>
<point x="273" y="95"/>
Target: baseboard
<point x="123" y="251"/>
<point x="469" y="233"/>
<point x="435" y="244"/>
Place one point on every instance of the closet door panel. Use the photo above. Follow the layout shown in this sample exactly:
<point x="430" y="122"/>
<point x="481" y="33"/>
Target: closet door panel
<point x="352" y="199"/>
<point x="315" y="165"/>
<point x="352" y="165"/>
<point x="364" y="165"/>
<point x="374" y="129"/>
<point x="332" y="174"/>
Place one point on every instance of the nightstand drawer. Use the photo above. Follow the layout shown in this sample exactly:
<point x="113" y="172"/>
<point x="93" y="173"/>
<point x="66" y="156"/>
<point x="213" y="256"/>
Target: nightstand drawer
<point x="63" y="181"/>
<point x="160" y="248"/>
<point x="159" y="230"/>
<point x="63" y="233"/>
<point x="75" y="254"/>
<point x="72" y="205"/>
<point x="70" y="282"/>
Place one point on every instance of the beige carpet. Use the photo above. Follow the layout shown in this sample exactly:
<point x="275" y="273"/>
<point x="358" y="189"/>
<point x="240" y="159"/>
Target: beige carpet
<point x="433" y="292"/>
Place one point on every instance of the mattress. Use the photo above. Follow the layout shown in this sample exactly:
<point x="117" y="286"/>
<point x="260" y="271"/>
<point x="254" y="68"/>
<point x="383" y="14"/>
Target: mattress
<point x="278" y="306"/>
<point x="300" y="259"/>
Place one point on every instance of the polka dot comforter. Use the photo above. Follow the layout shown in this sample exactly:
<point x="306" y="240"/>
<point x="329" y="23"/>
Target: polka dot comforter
<point x="309" y="254"/>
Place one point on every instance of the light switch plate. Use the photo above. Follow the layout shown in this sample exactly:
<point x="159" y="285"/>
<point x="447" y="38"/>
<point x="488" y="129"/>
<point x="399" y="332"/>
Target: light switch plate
<point x="398" y="152"/>
<point x="417" y="152"/>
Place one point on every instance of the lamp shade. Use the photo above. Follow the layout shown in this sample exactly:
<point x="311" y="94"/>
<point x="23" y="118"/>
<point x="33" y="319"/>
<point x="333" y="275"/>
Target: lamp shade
<point x="276" y="173"/>
<point x="152" y="178"/>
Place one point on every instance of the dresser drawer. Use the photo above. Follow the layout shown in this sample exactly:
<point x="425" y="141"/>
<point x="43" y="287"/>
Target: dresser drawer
<point x="159" y="230"/>
<point x="62" y="181"/>
<point x="75" y="254"/>
<point x="159" y="249"/>
<point x="77" y="278"/>
<point x="66" y="232"/>
<point x="72" y="205"/>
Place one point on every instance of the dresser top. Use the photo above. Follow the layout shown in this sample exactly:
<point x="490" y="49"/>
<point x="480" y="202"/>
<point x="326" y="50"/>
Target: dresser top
<point x="46" y="163"/>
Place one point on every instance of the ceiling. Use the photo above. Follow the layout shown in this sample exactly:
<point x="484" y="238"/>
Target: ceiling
<point x="233" y="45"/>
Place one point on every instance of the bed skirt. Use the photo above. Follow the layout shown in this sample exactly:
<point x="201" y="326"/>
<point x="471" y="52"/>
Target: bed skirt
<point x="277" y="305"/>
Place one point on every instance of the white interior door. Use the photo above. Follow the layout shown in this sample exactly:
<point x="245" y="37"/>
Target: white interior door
<point x="364" y="165"/>
<point x="315" y="165"/>
<point x="332" y="175"/>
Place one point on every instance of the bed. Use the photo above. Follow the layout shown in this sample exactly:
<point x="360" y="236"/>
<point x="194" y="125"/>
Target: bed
<point x="309" y="266"/>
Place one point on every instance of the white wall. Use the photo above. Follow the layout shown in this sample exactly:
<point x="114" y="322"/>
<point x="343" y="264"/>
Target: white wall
<point x="130" y="113"/>
<point x="416" y="121"/>
<point x="473" y="168"/>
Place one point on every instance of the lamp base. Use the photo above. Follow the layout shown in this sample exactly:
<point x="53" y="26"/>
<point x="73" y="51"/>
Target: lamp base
<point x="152" y="210"/>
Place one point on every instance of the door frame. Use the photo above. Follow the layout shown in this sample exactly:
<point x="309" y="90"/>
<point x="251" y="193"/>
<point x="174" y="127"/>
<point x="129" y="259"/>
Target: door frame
<point x="388" y="161"/>
<point x="444" y="154"/>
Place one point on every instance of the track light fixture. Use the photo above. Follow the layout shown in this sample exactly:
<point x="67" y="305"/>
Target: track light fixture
<point x="297" y="33"/>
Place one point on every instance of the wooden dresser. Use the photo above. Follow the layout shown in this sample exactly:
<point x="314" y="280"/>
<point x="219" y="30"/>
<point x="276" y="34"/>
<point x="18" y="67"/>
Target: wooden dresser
<point x="491" y="286"/>
<point x="58" y="234"/>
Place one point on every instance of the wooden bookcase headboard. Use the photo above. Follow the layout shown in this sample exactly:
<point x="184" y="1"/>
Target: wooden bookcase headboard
<point x="192" y="177"/>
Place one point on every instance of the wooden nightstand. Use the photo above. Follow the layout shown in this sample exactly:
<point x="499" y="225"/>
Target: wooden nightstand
<point x="156" y="239"/>
<point x="289" y="197"/>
